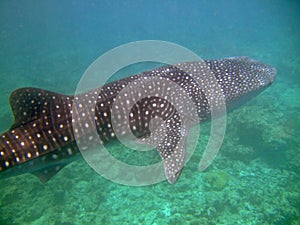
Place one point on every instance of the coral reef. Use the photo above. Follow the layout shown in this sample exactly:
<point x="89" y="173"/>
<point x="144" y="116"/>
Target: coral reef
<point x="215" y="180"/>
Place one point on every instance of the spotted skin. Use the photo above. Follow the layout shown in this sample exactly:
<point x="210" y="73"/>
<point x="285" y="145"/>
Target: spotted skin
<point x="42" y="141"/>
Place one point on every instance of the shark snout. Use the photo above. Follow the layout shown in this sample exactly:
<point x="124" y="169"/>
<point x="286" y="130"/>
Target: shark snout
<point x="272" y="74"/>
<point x="268" y="75"/>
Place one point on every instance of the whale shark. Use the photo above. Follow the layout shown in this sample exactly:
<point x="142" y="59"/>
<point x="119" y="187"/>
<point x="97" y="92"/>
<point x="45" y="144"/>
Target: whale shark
<point x="42" y="139"/>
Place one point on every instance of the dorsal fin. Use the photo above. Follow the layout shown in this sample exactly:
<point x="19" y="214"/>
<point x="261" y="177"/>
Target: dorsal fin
<point x="28" y="104"/>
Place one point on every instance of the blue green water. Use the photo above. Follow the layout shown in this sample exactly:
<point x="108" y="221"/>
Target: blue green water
<point x="255" y="177"/>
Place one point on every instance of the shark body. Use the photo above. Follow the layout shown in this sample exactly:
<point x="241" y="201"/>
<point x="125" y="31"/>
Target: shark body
<point x="42" y="139"/>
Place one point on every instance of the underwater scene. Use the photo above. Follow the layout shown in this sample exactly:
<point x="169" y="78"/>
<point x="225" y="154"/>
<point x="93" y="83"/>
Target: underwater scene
<point x="49" y="45"/>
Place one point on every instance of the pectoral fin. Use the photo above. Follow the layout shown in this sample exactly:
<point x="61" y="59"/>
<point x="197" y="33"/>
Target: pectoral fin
<point x="46" y="174"/>
<point x="169" y="138"/>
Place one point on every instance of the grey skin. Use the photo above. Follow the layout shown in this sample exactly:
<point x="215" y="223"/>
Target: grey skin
<point x="42" y="141"/>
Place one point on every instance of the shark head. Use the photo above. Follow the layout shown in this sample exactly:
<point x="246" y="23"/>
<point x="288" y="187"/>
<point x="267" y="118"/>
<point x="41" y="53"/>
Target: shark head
<point x="241" y="78"/>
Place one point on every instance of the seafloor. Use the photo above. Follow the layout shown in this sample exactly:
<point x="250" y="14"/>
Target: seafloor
<point x="254" y="179"/>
